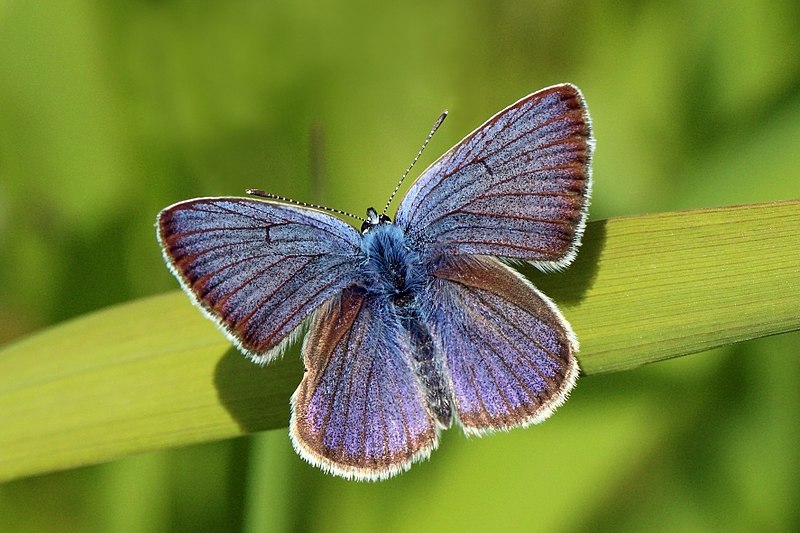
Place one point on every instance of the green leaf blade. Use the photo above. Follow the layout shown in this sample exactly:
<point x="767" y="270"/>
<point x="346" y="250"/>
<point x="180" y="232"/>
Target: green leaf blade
<point x="672" y="284"/>
<point x="154" y="373"/>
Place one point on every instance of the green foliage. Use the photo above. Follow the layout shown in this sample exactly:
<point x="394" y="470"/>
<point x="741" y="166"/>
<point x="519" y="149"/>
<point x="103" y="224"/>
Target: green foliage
<point x="112" y="110"/>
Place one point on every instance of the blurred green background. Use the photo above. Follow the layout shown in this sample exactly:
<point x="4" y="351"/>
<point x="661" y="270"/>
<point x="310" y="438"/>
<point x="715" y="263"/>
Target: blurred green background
<point x="111" y="110"/>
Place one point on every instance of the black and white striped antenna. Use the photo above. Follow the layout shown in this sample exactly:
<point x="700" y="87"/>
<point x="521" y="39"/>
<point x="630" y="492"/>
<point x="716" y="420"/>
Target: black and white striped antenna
<point x="427" y="140"/>
<point x="265" y="194"/>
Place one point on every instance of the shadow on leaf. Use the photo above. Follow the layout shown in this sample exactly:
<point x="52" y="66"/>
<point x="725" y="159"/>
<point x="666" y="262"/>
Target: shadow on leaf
<point x="257" y="397"/>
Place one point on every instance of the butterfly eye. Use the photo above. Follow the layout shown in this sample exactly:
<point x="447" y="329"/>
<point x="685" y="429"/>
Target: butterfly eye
<point x="374" y="219"/>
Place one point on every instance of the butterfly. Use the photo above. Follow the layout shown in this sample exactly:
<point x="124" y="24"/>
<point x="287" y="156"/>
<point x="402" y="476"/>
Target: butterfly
<point x="413" y="324"/>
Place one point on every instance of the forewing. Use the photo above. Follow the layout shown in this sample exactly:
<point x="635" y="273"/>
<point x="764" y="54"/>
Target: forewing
<point x="516" y="187"/>
<point x="508" y="351"/>
<point x="360" y="411"/>
<point x="257" y="268"/>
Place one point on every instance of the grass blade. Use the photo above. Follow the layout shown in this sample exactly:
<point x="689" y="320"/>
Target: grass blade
<point x="154" y="374"/>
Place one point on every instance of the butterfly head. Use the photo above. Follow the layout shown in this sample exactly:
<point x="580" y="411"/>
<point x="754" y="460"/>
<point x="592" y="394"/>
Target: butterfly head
<point x="374" y="219"/>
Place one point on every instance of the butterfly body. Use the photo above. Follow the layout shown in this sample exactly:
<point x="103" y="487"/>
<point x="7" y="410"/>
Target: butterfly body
<point x="416" y="324"/>
<point x="395" y="274"/>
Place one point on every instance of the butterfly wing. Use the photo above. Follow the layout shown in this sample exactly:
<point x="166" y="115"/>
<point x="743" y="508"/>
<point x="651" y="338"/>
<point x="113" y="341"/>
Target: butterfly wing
<point x="508" y="351"/>
<point x="257" y="268"/>
<point x="360" y="410"/>
<point x="516" y="187"/>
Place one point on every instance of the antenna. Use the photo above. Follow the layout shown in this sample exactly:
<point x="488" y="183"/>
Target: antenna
<point x="264" y="194"/>
<point x="427" y="140"/>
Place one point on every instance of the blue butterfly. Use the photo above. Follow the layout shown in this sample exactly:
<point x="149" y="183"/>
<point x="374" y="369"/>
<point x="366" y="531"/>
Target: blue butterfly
<point x="413" y="324"/>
